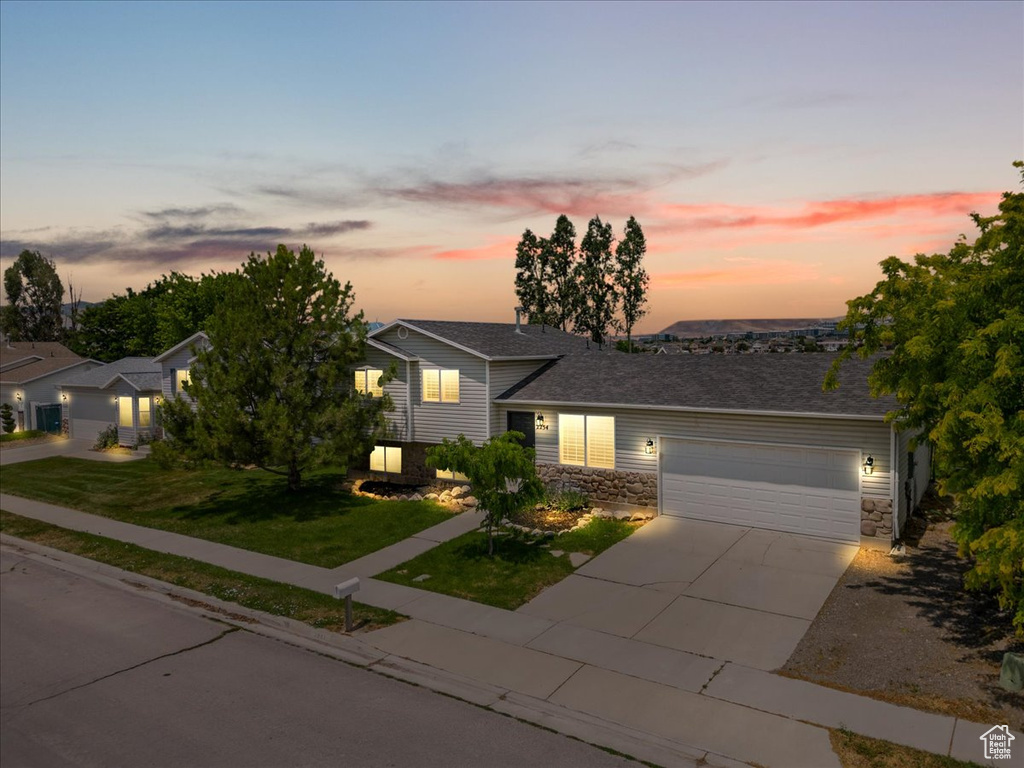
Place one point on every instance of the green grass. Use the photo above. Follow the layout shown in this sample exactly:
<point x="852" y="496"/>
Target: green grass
<point x="313" y="608"/>
<point x="518" y="571"/>
<point x="251" y="509"/>
<point x="856" y="751"/>
<point x="28" y="434"/>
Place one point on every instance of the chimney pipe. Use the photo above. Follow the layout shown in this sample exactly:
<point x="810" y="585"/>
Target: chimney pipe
<point x="519" y="328"/>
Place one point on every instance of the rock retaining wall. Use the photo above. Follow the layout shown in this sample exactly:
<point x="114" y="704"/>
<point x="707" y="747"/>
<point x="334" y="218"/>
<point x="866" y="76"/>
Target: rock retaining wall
<point x="639" y="488"/>
<point x="876" y="518"/>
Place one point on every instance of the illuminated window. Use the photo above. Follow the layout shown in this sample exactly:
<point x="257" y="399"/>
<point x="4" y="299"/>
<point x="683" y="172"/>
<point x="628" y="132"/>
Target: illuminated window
<point x="124" y="412"/>
<point x="386" y="458"/>
<point x="586" y="441"/>
<point x="368" y="382"/>
<point x="145" y="412"/>
<point x="184" y="377"/>
<point x="440" y="386"/>
<point x="447" y="474"/>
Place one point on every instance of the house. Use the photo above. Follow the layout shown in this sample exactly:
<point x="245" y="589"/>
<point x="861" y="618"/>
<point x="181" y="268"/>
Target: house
<point x="176" y="363"/>
<point x="124" y="393"/>
<point x="744" y="439"/>
<point x="30" y="372"/>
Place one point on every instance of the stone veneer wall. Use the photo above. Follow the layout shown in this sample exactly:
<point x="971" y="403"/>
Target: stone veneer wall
<point x="414" y="468"/>
<point x="639" y="488"/>
<point x="876" y="518"/>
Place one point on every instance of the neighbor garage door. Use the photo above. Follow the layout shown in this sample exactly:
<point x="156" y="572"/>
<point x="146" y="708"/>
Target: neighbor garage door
<point x="808" y="490"/>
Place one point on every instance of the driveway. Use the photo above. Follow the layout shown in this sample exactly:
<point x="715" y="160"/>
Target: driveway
<point x="720" y="591"/>
<point x="69" y="446"/>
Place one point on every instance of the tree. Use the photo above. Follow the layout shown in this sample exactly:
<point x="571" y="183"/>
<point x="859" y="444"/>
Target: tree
<point x="561" y="260"/>
<point x="502" y="472"/>
<point x="532" y="277"/>
<point x="7" y="418"/>
<point x="631" y="277"/>
<point x="34" y="295"/>
<point x="597" y="295"/>
<point x="955" y="324"/>
<point x="273" y="389"/>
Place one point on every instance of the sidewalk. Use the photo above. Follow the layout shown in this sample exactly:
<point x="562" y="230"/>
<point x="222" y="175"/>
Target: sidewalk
<point x="705" y="708"/>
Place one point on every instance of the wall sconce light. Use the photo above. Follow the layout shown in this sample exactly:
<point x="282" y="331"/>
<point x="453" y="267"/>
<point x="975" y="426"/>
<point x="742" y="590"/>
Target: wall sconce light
<point x="17" y="396"/>
<point x="869" y="464"/>
<point x="649" y="447"/>
<point x="116" y="398"/>
<point x="540" y="421"/>
<point x="64" y="397"/>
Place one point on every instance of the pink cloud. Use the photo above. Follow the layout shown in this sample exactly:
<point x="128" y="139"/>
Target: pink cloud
<point x="505" y="248"/>
<point x="758" y="273"/>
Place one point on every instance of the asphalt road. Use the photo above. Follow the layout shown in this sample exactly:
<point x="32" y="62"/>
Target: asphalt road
<point x="92" y="675"/>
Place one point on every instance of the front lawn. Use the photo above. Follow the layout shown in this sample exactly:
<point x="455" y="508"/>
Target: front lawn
<point x="520" y="569"/>
<point x="856" y="751"/>
<point x="307" y="606"/>
<point x="251" y="509"/>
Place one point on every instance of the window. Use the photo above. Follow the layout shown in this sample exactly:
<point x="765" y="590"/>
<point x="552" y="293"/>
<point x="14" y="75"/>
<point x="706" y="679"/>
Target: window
<point x="368" y="382"/>
<point x="440" y="386"/>
<point x="586" y="441"/>
<point x="447" y="474"/>
<point x="145" y="411"/>
<point x="124" y="412"/>
<point x="386" y="458"/>
<point x="184" y="377"/>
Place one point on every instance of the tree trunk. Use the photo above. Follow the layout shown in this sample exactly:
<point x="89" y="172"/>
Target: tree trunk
<point x="294" y="477"/>
<point x="629" y="340"/>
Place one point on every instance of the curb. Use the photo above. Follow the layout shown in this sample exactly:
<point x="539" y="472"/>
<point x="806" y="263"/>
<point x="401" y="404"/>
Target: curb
<point x="636" y="744"/>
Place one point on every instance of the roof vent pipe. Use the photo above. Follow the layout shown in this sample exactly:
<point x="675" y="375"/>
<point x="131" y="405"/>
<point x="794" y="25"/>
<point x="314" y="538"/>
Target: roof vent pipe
<point x="519" y="328"/>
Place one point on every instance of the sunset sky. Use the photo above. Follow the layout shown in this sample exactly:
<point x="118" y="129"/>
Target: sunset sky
<point x="773" y="153"/>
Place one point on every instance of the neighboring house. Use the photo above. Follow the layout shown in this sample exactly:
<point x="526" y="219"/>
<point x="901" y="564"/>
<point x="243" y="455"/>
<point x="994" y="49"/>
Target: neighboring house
<point x="176" y="364"/>
<point x="30" y="373"/>
<point x="124" y="393"/>
<point x="744" y="439"/>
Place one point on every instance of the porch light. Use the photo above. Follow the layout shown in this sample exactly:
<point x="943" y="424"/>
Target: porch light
<point x="869" y="464"/>
<point x="17" y="396"/>
<point x="649" y="447"/>
<point x="64" y="396"/>
<point x="540" y="421"/>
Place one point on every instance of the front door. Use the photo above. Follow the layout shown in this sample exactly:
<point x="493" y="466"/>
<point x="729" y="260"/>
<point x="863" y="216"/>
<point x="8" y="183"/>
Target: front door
<point x="523" y="421"/>
<point x="48" y="418"/>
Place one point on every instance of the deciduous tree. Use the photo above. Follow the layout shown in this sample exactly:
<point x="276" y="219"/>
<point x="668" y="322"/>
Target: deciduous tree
<point x="532" y="279"/>
<point x="34" y="295"/>
<point x="631" y="277"/>
<point x="274" y="389"/>
<point x="595" y="273"/>
<point x="502" y="472"/>
<point x="955" y="324"/>
<point x="561" y="260"/>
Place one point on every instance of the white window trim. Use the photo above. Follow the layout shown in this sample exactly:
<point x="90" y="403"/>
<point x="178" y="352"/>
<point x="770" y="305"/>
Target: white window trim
<point x="425" y="372"/>
<point x="387" y="449"/>
<point x="586" y="444"/>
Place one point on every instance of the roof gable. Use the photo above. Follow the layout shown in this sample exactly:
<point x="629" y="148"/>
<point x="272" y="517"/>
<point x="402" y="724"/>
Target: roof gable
<point x="193" y="339"/>
<point x="495" y="341"/>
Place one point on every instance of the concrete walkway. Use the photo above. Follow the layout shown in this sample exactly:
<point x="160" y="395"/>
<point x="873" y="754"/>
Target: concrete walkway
<point x="539" y="669"/>
<point x="65" y="446"/>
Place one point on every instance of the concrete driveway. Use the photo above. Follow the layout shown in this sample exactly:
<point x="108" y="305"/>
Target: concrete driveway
<point x="70" y="446"/>
<point x="720" y="591"/>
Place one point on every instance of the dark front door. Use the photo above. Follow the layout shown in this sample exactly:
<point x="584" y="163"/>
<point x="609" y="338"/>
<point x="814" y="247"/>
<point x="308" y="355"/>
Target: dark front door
<point x="522" y="421"/>
<point x="48" y="418"/>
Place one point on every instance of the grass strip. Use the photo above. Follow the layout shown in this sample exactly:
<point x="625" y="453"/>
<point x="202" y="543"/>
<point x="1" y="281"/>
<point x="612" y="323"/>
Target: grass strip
<point x="520" y="568"/>
<point x="309" y="607"/>
<point x="856" y="751"/>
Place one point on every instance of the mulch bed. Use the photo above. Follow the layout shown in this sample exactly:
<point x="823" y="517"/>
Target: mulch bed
<point x="903" y="629"/>
<point x="389" y="489"/>
<point x="548" y="519"/>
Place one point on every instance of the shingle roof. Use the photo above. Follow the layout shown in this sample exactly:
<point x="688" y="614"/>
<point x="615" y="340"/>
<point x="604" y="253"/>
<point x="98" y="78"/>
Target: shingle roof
<point x="140" y="371"/>
<point x="17" y="349"/>
<point x="496" y="340"/>
<point x="788" y="383"/>
<point x="34" y="369"/>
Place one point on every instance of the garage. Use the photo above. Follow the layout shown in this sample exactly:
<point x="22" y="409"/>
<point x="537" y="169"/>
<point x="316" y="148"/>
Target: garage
<point x="797" y="489"/>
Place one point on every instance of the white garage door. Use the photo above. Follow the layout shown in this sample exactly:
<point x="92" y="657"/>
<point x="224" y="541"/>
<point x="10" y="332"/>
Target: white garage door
<point x="814" y="491"/>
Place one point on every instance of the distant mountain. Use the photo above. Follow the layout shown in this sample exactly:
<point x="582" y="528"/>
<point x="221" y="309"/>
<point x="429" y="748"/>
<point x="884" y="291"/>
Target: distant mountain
<point x="688" y="329"/>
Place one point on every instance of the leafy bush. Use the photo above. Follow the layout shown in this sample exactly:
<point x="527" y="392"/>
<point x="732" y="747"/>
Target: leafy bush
<point x="106" y="439"/>
<point x="569" y="500"/>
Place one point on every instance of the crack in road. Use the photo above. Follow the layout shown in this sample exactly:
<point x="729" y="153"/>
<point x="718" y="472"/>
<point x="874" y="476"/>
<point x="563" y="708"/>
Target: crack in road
<point x="100" y="679"/>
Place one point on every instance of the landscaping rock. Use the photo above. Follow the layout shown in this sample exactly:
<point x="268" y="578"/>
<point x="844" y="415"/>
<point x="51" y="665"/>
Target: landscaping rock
<point x="557" y="552"/>
<point x="867" y="528"/>
<point x="432" y="496"/>
<point x="578" y="558"/>
<point x="621" y="514"/>
<point x="422" y="577"/>
<point x="415" y="497"/>
<point x="403" y="497"/>
<point x="467" y="489"/>
<point x="537" y="532"/>
<point x="539" y="507"/>
<point x="469" y="501"/>
<point x="637" y="518"/>
<point x="456" y="493"/>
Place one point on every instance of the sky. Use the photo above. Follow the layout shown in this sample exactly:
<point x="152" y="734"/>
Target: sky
<point x="774" y="153"/>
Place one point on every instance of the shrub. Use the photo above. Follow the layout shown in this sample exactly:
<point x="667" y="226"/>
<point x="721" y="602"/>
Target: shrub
<point x="569" y="500"/>
<point x="106" y="439"/>
<point x="7" y="418"/>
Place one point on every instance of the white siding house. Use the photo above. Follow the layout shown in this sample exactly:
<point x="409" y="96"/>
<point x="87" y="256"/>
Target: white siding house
<point x="125" y="394"/>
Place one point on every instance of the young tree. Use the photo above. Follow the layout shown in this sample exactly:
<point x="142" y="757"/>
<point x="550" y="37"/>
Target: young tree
<point x="34" y="295"/>
<point x="561" y="259"/>
<point x="532" y="277"/>
<point x="502" y="472"/>
<point x="597" y="295"/>
<point x="631" y="277"/>
<point x="273" y="388"/>
<point x="955" y="323"/>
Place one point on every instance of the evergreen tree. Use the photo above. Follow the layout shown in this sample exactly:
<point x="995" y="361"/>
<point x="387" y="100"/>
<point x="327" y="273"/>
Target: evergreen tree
<point x="561" y="260"/>
<point x="532" y="278"/>
<point x="274" y="389"/>
<point x="596" y="291"/>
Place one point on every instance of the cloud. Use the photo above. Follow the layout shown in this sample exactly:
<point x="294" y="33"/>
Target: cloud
<point x="779" y="272"/>
<point x="201" y="212"/>
<point x="505" y="248"/>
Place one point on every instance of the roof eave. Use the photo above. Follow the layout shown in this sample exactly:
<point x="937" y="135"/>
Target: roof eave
<point x="391" y="350"/>
<point x="434" y="336"/>
<point x="690" y="409"/>
<point x="179" y="346"/>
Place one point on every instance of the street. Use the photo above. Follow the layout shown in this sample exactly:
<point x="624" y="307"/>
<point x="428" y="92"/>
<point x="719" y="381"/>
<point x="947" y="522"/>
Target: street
<point x="92" y="675"/>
